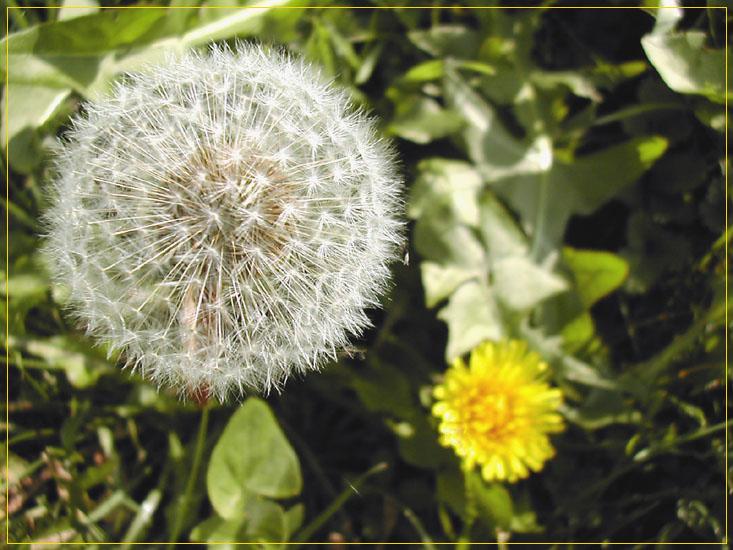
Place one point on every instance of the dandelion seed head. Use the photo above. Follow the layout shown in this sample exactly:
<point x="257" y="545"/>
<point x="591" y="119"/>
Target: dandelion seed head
<point x="223" y="219"/>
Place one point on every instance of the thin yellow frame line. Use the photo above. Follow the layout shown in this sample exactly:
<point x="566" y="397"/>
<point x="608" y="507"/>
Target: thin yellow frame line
<point x="7" y="274"/>
<point x="7" y="247"/>
<point x="256" y="6"/>
<point x="725" y="278"/>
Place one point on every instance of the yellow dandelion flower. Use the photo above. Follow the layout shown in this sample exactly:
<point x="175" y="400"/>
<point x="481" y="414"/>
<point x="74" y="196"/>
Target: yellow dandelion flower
<point x="496" y="412"/>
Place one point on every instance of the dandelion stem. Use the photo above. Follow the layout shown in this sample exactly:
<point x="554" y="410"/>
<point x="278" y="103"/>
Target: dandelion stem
<point x="191" y="484"/>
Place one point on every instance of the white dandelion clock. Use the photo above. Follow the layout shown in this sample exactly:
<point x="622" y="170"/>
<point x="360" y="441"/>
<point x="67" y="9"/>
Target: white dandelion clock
<point x="224" y="220"/>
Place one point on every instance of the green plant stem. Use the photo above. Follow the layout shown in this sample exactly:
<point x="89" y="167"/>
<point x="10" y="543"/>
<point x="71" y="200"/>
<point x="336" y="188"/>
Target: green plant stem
<point x="638" y="380"/>
<point x="191" y="484"/>
<point x="418" y="526"/>
<point x="309" y="530"/>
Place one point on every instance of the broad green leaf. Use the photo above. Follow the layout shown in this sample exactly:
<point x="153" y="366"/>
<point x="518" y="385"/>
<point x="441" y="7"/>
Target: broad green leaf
<point x="368" y="64"/>
<point x="577" y="186"/>
<point x="667" y="16"/>
<point x="501" y="234"/>
<point x="420" y="447"/>
<point x="711" y="114"/>
<point x="451" y="489"/>
<point x="452" y="253"/>
<point x="384" y="388"/>
<point x="493" y="501"/>
<point x="83" y="365"/>
<point x="422" y="120"/>
<point x="265" y="521"/>
<point x="244" y="21"/>
<point x="435" y="68"/>
<point x="25" y="286"/>
<point x="602" y="408"/>
<point x="86" y="53"/>
<point x="578" y="332"/>
<point x="596" y="273"/>
<point x="252" y="458"/>
<point x="68" y="54"/>
<point x="567" y="367"/>
<point x="219" y="530"/>
<point x="441" y="238"/>
<point x="439" y="281"/>
<point x="294" y="519"/>
<point x="447" y="41"/>
<point x="593" y="179"/>
<point x="520" y="284"/>
<point x="686" y="64"/>
<point x="76" y="8"/>
<point x="423" y="72"/>
<point x="29" y="107"/>
<point x="472" y="316"/>
<point x="496" y="153"/>
<point x="452" y="181"/>
<point x="575" y="81"/>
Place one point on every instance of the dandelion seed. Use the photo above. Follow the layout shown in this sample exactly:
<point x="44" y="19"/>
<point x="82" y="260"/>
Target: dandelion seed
<point x="497" y="412"/>
<point x="206" y="215"/>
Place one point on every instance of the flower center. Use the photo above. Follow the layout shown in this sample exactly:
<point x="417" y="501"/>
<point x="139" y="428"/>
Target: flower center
<point x="489" y="411"/>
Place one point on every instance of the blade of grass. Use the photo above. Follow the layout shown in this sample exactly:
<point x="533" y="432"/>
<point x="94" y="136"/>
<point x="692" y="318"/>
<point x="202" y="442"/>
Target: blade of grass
<point x="309" y="530"/>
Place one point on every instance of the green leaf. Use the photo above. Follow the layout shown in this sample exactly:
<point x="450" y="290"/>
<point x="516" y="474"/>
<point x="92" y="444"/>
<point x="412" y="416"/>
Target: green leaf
<point x="68" y="54"/>
<point x="25" y="286"/>
<point x="596" y="273"/>
<point x="384" y="388"/>
<point x="453" y="253"/>
<point x="419" y="446"/>
<point x="441" y="238"/>
<point x="593" y="179"/>
<point x="252" y="458"/>
<point x="501" y="234"/>
<point x="578" y="332"/>
<point x="520" y="284"/>
<point x="577" y="186"/>
<point x="602" y="408"/>
<point x="86" y="53"/>
<point x="686" y="64"/>
<point x="82" y="364"/>
<point x="454" y="182"/>
<point x="368" y="64"/>
<point x="493" y="501"/>
<point x="576" y="82"/>
<point x="439" y="281"/>
<point x="472" y="316"/>
<point x="76" y="8"/>
<point x="566" y="366"/>
<point x="29" y="107"/>
<point x="422" y="120"/>
<point x="435" y="68"/>
<point x="265" y="520"/>
<point x="218" y="529"/>
<point x="423" y="72"/>
<point x="264" y="19"/>
<point x="496" y="153"/>
<point x="447" y="41"/>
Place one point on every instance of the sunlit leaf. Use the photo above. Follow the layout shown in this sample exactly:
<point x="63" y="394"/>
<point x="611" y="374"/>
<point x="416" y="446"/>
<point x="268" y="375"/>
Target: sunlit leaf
<point x="596" y="273"/>
<point x="423" y="120"/>
<point x="472" y="316"/>
<point x="251" y="459"/>
<point x="686" y="64"/>
<point x="520" y="284"/>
